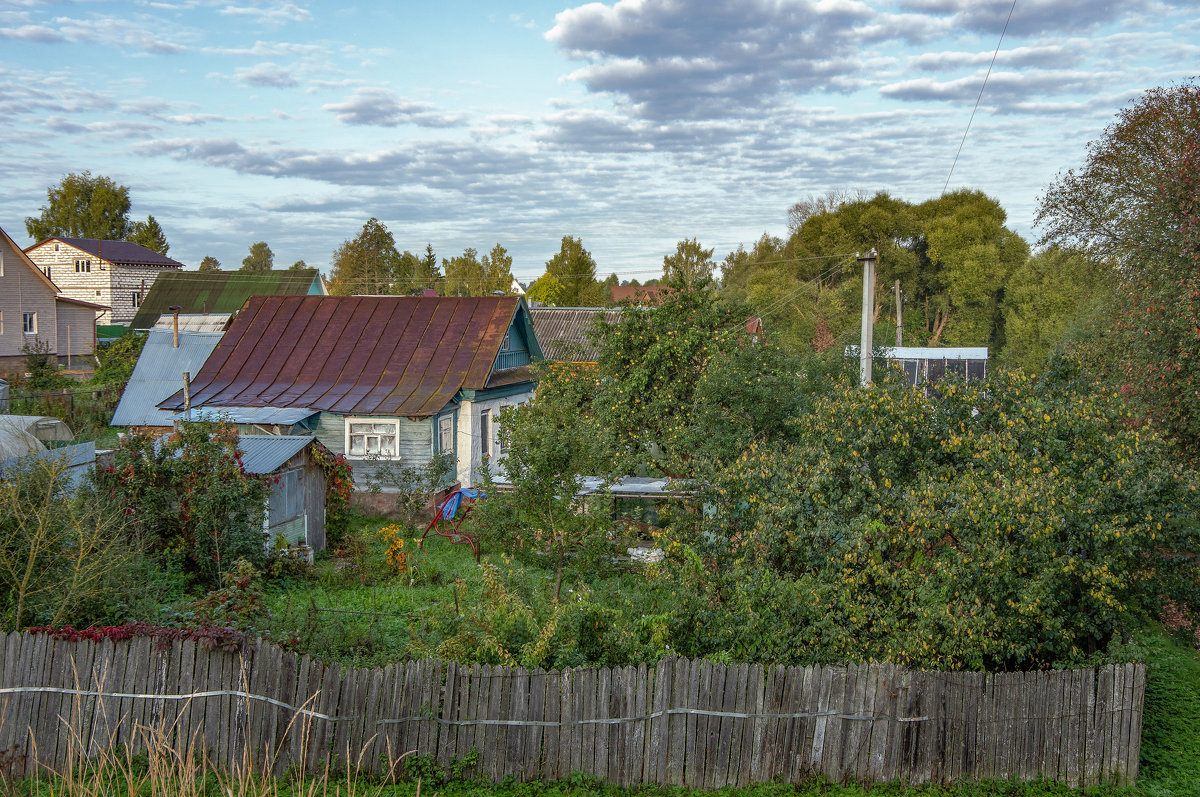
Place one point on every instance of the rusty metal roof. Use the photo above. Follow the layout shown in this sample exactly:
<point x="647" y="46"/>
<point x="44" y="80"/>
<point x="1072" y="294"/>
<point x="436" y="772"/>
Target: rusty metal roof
<point x="354" y="355"/>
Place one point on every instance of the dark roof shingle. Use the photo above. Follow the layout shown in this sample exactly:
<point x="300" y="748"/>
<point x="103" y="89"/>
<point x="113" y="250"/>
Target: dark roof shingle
<point x="122" y="252"/>
<point x="354" y="355"/>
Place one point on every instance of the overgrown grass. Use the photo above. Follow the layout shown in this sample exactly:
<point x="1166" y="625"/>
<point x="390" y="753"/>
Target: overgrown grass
<point x="354" y="609"/>
<point x="1171" y="726"/>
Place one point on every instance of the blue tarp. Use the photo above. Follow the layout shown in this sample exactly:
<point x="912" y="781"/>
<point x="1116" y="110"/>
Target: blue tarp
<point x="454" y="501"/>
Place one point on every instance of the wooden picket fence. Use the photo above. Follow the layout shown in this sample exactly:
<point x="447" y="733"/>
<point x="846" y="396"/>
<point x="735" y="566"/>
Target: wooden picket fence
<point x="686" y="723"/>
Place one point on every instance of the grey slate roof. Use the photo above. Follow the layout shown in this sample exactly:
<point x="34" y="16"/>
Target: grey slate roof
<point x="263" y="453"/>
<point x="159" y="373"/>
<point x="562" y="331"/>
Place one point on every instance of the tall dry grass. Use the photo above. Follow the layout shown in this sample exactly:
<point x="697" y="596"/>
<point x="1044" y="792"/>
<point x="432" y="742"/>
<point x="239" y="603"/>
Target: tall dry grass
<point x="165" y="761"/>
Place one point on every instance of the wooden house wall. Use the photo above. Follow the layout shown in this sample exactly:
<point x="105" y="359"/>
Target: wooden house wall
<point x="414" y="444"/>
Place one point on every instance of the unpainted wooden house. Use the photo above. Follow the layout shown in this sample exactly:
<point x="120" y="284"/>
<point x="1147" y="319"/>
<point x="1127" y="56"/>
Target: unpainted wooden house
<point x="389" y="380"/>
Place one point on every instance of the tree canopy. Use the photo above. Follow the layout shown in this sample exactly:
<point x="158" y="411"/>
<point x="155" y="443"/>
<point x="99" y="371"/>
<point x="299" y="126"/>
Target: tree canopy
<point x="83" y="206"/>
<point x="690" y="265"/>
<point x="1132" y="208"/>
<point x="209" y="263"/>
<point x="149" y="234"/>
<point x="367" y="263"/>
<point x="574" y="268"/>
<point x="260" y="258"/>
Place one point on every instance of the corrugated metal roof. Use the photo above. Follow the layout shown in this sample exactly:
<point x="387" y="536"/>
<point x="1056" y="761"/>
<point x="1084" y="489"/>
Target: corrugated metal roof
<point x="217" y="291"/>
<point x="264" y="416"/>
<point x="194" y="322"/>
<point x="263" y="453"/>
<point x="354" y="355"/>
<point x="76" y="460"/>
<point x="562" y="331"/>
<point x="122" y="252"/>
<point x="159" y="373"/>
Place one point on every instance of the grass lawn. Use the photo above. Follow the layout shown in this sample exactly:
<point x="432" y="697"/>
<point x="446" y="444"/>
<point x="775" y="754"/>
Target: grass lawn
<point x="357" y="610"/>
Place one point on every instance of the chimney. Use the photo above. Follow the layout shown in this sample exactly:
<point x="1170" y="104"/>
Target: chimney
<point x="175" y="309"/>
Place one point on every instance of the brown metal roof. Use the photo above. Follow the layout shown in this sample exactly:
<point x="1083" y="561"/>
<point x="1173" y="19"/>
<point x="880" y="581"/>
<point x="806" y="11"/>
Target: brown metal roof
<point x="354" y="355"/>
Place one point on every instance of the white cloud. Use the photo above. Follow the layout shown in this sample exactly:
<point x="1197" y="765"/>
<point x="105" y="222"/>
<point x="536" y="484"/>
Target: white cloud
<point x="378" y="107"/>
<point x="266" y="74"/>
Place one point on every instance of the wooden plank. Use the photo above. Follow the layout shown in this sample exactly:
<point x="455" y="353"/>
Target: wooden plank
<point x="772" y="754"/>
<point x="1115" y="758"/>
<point x="57" y="706"/>
<point x="324" y="700"/>
<point x="532" y="762"/>
<point x="587" y="683"/>
<point x="569" y="742"/>
<point x="81" y="705"/>
<point x="494" y="679"/>
<point x="751" y="703"/>
<point x="430" y="704"/>
<point x="447" y="733"/>
<point x="477" y="710"/>
<point x="11" y="677"/>
<point x="931" y="729"/>
<point x="659" y="687"/>
<point x="676" y="737"/>
<point x="885" y="718"/>
<point x="831" y="754"/>
<point x="375" y="754"/>
<point x="601" y="696"/>
<point x="693" y="765"/>
<point x="855" y="729"/>
<point x="1071" y="748"/>
<point x="1137" y="701"/>
<point x="817" y="697"/>
<point x="642" y="695"/>
<point x="798" y="735"/>
<point x="613" y="708"/>
<point x="518" y="711"/>
<point x="552" y="768"/>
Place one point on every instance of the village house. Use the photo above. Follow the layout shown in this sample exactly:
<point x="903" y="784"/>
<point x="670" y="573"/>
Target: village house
<point x="564" y="333"/>
<point x="116" y="274"/>
<point x="199" y="293"/>
<point x="296" y="506"/>
<point x="32" y="312"/>
<point x="386" y="380"/>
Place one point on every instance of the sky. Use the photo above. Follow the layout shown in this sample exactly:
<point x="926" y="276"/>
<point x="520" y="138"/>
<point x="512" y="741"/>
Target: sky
<point x="631" y="124"/>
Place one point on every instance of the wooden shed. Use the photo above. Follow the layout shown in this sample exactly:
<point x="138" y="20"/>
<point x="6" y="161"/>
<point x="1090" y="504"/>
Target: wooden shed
<point x="297" y="503"/>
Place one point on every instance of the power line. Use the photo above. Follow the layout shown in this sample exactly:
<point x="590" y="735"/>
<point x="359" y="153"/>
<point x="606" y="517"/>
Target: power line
<point x="980" y="97"/>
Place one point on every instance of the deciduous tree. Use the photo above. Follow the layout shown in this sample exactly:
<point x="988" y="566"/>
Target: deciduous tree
<point x="210" y="263"/>
<point x="260" y="258"/>
<point x="367" y="263"/>
<point x="689" y="266"/>
<point x="575" y="270"/>
<point x="83" y="206"/>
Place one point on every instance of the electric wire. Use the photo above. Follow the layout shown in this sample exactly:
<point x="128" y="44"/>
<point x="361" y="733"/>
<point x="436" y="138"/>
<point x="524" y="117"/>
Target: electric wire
<point x="980" y="97"/>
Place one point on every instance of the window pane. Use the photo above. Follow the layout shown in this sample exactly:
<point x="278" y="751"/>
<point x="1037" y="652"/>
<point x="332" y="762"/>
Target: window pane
<point x="387" y="445"/>
<point x="360" y="428"/>
<point x="357" y="445"/>
<point x="385" y="428"/>
<point x="372" y="444"/>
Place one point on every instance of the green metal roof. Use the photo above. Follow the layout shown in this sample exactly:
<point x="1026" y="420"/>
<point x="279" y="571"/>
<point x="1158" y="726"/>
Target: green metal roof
<point x="218" y="291"/>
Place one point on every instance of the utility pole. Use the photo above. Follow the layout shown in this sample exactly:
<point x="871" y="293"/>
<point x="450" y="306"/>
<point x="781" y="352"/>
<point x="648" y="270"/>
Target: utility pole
<point x="868" y="310"/>
<point x="899" y="317"/>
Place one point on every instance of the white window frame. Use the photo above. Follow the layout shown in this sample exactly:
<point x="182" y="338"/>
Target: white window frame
<point x="448" y="431"/>
<point x="1" y="322"/>
<point x="29" y="323"/>
<point x="485" y="432"/>
<point x="366" y="454"/>
<point x="83" y="266"/>
<point x="136" y="299"/>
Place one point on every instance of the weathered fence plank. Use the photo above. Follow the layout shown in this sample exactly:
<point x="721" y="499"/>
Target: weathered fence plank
<point x="681" y="722"/>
